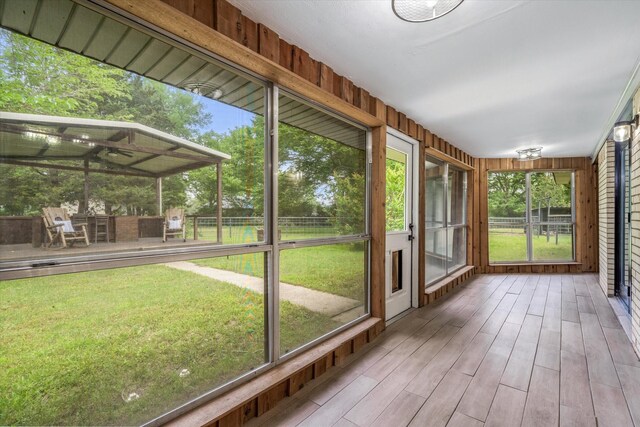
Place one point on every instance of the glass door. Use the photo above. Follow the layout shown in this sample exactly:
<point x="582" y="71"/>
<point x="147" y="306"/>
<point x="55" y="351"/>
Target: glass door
<point x="623" y="223"/>
<point x="400" y="240"/>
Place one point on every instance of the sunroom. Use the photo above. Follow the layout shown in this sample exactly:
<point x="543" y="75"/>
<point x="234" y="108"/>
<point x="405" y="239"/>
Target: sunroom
<point x="240" y="212"/>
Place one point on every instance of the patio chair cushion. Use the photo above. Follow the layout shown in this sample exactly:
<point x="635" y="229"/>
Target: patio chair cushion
<point x="175" y="224"/>
<point x="67" y="227"/>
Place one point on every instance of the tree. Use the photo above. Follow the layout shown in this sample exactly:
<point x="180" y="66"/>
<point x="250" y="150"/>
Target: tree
<point x="318" y="176"/>
<point x="41" y="79"/>
<point x="507" y="194"/>
<point x="395" y="194"/>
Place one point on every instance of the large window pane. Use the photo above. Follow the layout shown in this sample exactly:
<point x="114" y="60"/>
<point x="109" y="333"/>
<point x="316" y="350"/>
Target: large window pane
<point x="436" y="254"/>
<point x="549" y="222"/>
<point x="457" y="197"/>
<point x="551" y="197"/>
<point x="508" y="244"/>
<point x="122" y="346"/>
<point x="434" y="193"/>
<point x="396" y="174"/>
<point x="457" y="249"/>
<point x="445" y="213"/>
<point x="321" y="175"/>
<point x="111" y="151"/>
<point x="553" y="242"/>
<point x="321" y="289"/>
<point x="551" y="216"/>
<point x="507" y="200"/>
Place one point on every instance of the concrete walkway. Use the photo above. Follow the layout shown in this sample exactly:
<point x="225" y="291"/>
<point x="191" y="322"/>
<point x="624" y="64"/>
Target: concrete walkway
<point x="320" y="302"/>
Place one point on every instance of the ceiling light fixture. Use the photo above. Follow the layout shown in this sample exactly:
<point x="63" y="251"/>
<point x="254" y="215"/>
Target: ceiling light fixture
<point x="622" y="130"/>
<point x="422" y="10"/>
<point x="529" y="153"/>
<point x="207" y="89"/>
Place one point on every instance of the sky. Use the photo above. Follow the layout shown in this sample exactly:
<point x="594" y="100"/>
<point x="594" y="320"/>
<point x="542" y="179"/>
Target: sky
<point x="224" y="117"/>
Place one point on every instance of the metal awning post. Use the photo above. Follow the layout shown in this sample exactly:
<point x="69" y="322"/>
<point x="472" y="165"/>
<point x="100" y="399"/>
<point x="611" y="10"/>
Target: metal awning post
<point x="159" y="195"/>
<point x="219" y="200"/>
<point x="86" y="185"/>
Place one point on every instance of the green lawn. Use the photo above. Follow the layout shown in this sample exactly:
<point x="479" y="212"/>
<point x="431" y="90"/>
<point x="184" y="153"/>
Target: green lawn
<point x="337" y="269"/>
<point x="249" y="234"/>
<point x="510" y="247"/>
<point x="72" y="347"/>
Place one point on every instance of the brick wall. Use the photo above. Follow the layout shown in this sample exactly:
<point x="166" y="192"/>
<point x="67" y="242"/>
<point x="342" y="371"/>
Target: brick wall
<point x="606" y="224"/>
<point x="635" y="231"/>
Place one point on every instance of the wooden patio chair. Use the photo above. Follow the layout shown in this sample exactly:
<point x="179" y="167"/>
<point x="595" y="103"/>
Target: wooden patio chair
<point x="174" y="224"/>
<point x="59" y="227"/>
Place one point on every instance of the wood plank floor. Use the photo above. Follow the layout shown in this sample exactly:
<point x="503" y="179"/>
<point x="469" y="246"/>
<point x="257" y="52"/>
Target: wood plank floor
<point x="502" y="350"/>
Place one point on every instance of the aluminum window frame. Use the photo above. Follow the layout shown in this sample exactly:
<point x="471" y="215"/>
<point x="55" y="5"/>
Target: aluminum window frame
<point x="270" y="246"/>
<point x="280" y="245"/>
<point x="28" y="268"/>
<point x="529" y="223"/>
<point x="445" y="223"/>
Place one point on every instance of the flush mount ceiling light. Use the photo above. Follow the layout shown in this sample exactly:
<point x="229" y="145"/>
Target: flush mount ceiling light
<point x="529" y="153"/>
<point x="622" y="130"/>
<point x="423" y="10"/>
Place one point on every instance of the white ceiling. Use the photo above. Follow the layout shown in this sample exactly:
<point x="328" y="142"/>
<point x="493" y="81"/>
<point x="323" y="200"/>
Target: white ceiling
<point x="491" y="76"/>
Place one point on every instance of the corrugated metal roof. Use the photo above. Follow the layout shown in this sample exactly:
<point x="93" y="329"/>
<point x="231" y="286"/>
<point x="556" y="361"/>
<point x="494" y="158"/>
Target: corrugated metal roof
<point x="118" y="146"/>
<point x="71" y="26"/>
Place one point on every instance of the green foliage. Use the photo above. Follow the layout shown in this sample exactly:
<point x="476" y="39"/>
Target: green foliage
<point x="395" y="193"/>
<point x="546" y="192"/>
<point x="242" y="175"/>
<point x="321" y="177"/>
<point x="40" y="79"/>
<point x="507" y="193"/>
<point x="349" y="207"/>
<point x="317" y="176"/>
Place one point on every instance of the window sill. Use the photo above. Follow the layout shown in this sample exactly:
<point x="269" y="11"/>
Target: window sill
<point x="444" y="281"/>
<point x="516" y="264"/>
<point x="441" y="288"/>
<point x="259" y="395"/>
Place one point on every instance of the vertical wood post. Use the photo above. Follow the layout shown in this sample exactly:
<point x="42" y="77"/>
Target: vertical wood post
<point x="378" y="231"/>
<point x="219" y="199"/>
<point x="422" y="234"/>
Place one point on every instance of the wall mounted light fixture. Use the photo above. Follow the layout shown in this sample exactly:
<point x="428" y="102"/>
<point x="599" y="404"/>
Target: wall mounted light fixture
<point x="423" y="10"/>
<point x="529" y="153"/>
<point x="622" y="130"/>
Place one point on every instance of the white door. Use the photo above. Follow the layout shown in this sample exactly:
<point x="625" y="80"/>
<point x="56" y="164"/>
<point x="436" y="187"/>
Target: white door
<point x="400" y="274"/>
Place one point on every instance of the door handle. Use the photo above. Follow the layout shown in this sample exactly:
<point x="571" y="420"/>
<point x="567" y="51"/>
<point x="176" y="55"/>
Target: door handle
<point x="410" y="237"/>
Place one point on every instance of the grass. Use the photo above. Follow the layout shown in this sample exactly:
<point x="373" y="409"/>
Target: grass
<point x="511" y="247"/>
<point x="337" y="269"/>
<point x="248" y="233"/>
<point x="73" y="347"/>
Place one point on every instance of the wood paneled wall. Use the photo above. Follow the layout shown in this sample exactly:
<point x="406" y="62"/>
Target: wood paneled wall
<point x="259" y="49"/>
<point x="264" y="392"/>
<point x="586" y="194"/>
<point x="229" y="21"/>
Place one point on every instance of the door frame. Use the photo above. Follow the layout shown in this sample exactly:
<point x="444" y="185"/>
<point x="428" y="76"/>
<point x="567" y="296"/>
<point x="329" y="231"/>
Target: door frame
<point x="622" y="283"/>
<point x="415" y="209"/>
